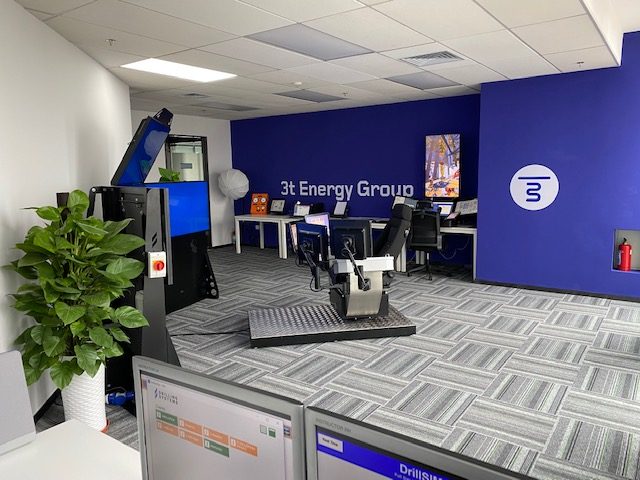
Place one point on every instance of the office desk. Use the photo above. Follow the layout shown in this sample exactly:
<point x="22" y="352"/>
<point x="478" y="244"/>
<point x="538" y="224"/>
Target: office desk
<point x="281" y="220"/>
<point x="71" y="451"/>
<point x="473" y="231"/>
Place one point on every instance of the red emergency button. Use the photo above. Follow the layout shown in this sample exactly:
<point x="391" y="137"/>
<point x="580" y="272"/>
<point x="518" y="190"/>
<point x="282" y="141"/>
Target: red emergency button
<point x="158" y="265"/>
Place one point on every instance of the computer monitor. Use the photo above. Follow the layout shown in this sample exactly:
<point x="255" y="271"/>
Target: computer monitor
<point x="199" y="427"/>
<point x="318" y="219"/>
<point x="357" y="236"/>
<point x="312" y="239"/>
<point x="445" y="208"/>
<point x="341" y="448"/>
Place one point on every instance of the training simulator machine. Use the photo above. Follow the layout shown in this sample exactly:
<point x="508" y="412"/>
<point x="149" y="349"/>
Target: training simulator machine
<point x="359" y="303"/>
<point x="173" y="219"/>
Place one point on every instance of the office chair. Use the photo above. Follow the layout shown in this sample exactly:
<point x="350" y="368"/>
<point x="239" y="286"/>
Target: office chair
<point x="425" y="236"/>
<point x="394" y="236"/>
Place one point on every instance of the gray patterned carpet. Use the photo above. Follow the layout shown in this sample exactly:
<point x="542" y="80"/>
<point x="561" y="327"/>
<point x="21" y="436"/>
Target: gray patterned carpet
<point x="540" y="383"/>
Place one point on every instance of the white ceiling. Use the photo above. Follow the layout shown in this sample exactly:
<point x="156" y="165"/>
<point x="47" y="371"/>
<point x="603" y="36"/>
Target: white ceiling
<point x="495" y="40"/>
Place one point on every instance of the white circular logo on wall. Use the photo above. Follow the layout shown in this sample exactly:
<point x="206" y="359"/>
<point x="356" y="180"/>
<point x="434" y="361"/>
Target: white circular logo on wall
<point x="534" y="187"/>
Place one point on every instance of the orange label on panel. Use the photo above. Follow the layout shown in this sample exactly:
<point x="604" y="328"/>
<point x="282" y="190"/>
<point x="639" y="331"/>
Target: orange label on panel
<point x="171" y="429"/>
<point x="190" y="426"/>
<point x="244" y="446"/>
<point x="216" y="436"/>
<point x="191" y="437"/>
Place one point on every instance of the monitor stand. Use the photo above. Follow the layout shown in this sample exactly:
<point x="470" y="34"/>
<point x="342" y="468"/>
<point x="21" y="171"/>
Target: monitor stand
<point x="320" y="323"/>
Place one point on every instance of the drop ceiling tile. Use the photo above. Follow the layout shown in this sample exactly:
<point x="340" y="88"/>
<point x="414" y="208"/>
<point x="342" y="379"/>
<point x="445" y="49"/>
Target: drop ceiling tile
<point x="455" y="91"/>
<point x="331" y="73"/>
<point x="227" y="15"/>
<point x="348" y="91"/>
<point x="376" y="65"/>
<point x="439" y="19"/>
<point x="369" y="28"/>
<point x="628" y="14"/>
<point x="471" y="74"/>
<point x="596" y="57"/>
<point x="311" y="96"/>
<point x="385" y="87"/>
<point x="110" y="58"/>
<point x="372" y="2"/>
<point x="253" y="85"/>
<point x="422" y="80"/>
<point x="258" y="52"/>
<point x="487" y="47"/>
<point x="141" y="21"/>
<point x="531" y="66"/>
<point x="309" y="41"/>
<point x="303" y="10"/>
<point x="147" y="81"/>
<point x="148" y="105"/>
<point x="53" y="7"/>
<point x="573" y="33"/>
<point x="40" y="15"/>
<point x="171" y="96"/>
<point x="420" y="95"/>
<point x="531" y="11"/>
<point x="292" y="79"/>
<point x="200" y="58"/>
<point x="85" y="34"/>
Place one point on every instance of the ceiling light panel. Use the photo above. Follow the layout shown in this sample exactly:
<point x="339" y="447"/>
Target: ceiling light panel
<point x="531" y="11"/>
<point x="203" y="59"/>
<point x="178" y="70"/>
<point x="303" y="10"/>
<point x="369" y="28"/>
<point x="307" y="41"/>
<point x="226" y="15"/>
<point x="422" y="80"/>
<point x="440" y="19"/>
<point x="259" y="52"/>
<point x="310" y="96"/>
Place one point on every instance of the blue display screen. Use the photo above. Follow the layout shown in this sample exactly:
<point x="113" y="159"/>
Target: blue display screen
<point x="188" y="206"/>
<point x="142" y="152"/>
<point x="339" y="457"/>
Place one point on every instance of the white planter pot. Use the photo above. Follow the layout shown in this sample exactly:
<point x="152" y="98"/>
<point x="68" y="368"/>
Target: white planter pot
<point x="83" y="400"/>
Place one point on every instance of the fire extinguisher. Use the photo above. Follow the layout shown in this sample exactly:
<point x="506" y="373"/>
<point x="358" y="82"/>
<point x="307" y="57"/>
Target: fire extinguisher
<point x="624" y="256"/>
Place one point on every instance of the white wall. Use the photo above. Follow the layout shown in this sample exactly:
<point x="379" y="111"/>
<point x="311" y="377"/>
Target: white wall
<point x="64" y="124"/>
<point x="218" y="133"/>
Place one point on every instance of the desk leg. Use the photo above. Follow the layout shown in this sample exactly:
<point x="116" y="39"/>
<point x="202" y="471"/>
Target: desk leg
<point x="261" y="227"/>
<point x="238" y="248"/>
<point x="401" y="262"/>
<point x="283" y="239"/>
<point x="475" y="237"/>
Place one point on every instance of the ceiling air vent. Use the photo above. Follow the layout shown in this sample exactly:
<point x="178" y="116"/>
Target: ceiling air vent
<point x="435" y="58"/>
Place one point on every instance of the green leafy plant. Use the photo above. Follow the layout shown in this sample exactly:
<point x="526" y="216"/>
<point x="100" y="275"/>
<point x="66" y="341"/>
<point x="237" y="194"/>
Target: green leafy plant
<point x="76" y="267"/>
<point x="168" y="175"/>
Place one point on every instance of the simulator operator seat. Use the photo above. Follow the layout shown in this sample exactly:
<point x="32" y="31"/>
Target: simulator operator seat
<point x="394" y="236"/>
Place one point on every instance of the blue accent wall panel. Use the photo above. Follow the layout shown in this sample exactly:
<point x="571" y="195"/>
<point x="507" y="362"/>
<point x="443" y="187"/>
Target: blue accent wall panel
<point x="382" y="144"/>
<point x="188" y="206"/>
<point x="584" y="126"/>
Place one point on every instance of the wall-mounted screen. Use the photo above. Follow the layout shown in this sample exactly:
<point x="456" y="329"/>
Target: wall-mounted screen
<point x="442" y="166"/>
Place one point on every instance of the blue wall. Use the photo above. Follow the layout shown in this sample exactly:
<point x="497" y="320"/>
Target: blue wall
<point x="585" y="127"/>
<point x="382" y="144"/>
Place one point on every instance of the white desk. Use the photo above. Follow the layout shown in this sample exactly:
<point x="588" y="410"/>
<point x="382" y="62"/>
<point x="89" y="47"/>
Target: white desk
<point x="71" y="451"/>
<point x="473" y="231"/>
<point x="281" y="220"/>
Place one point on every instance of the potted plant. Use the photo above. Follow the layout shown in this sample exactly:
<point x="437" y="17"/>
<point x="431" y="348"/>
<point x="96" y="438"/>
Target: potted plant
<point x="75" y="267"/>
<point x="168" y="175"/>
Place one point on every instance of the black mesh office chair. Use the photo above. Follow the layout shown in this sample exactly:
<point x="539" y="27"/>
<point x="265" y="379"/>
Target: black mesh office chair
<point x="395" y="233"/>
<point x="425" y="236"/>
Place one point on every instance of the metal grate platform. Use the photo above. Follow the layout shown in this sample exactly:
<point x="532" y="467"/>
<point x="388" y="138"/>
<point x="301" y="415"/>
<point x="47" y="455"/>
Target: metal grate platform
<point x="320" y="323"/>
